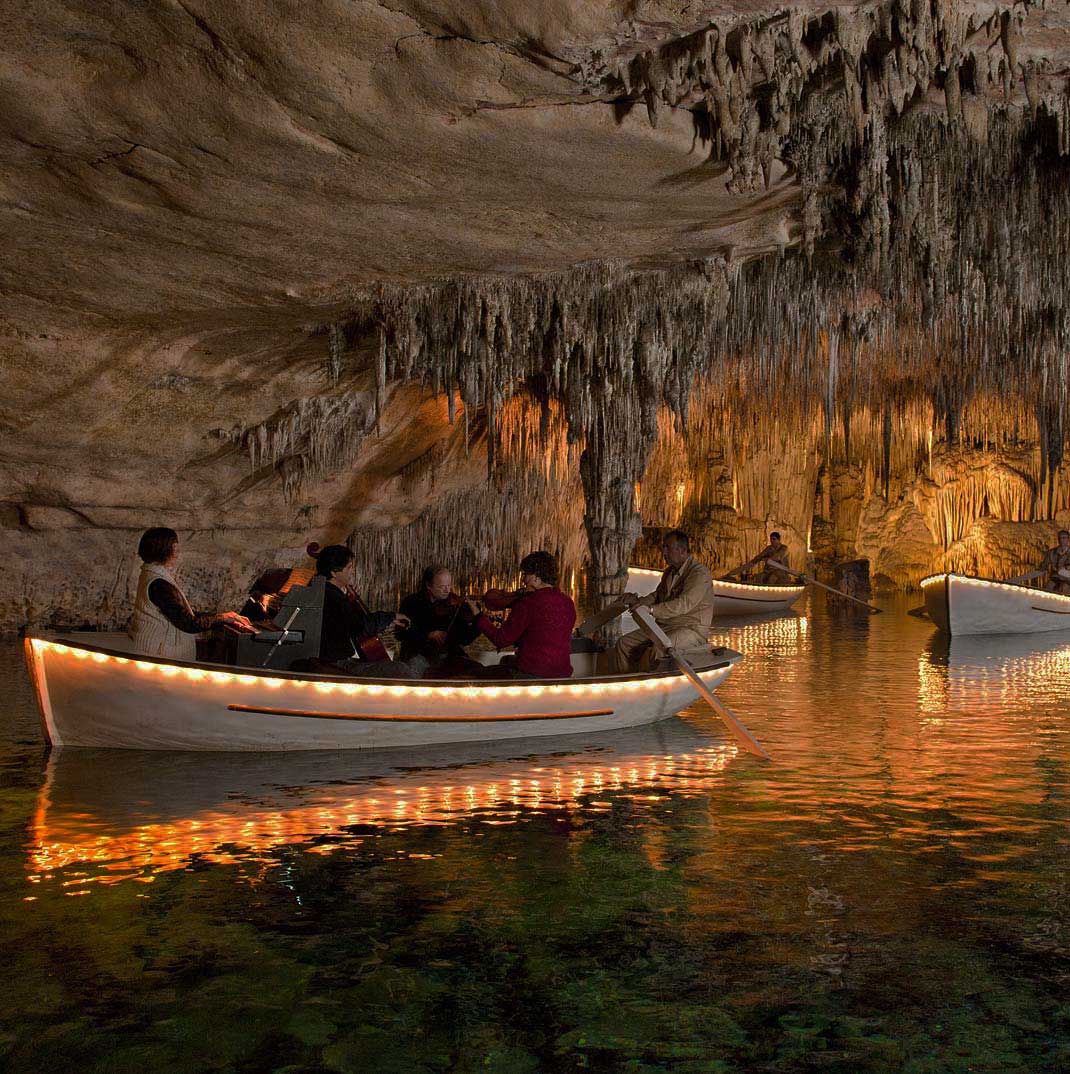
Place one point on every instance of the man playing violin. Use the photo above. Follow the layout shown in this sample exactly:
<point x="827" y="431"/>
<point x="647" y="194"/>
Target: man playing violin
<point x="440" y="624"/>
<point x="540" y="625"/>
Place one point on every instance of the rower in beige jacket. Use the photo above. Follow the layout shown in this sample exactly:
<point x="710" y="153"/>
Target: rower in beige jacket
<point x="682" y="604"/>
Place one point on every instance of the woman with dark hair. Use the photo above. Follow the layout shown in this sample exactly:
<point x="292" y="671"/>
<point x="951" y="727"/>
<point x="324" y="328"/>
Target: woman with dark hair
<point x="347" y="622"/>
<point x="539" y="625"/>
<point x="163" y="623"/>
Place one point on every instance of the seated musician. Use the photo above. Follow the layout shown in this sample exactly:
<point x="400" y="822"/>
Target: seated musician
<point x="347" y="623"/>
<point x="440" y="625"/>
<point x="682" y="605"/>
<point x="539" y="625"/>
<point x="1057" y="565"/>
<point x="163" y="623"/>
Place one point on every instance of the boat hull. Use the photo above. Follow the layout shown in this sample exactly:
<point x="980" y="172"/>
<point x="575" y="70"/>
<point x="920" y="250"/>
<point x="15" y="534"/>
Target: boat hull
<point x="960" y="605"/>
<point x="93" y="696"/>
<point x="729" y="598"/>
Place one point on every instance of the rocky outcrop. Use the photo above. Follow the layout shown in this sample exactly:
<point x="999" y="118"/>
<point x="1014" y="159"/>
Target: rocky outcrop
<point x="427" y="277"/>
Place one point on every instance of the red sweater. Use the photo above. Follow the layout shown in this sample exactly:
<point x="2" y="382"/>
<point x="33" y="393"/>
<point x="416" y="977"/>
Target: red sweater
<point x="540" y="625"/>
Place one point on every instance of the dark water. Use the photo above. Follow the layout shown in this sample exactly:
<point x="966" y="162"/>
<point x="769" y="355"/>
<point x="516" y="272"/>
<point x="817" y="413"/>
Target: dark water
<point x="890" y="895"/>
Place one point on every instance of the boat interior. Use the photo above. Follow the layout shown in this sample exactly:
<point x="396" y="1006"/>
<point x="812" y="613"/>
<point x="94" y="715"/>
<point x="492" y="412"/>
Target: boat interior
<point x="589" y="661"/>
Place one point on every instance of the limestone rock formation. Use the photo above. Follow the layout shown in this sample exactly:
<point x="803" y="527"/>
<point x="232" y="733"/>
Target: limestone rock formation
<point x="429" y="276"/>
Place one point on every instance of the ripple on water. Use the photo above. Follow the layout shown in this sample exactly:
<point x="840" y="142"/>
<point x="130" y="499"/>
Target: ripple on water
<point x="890" y="894"/>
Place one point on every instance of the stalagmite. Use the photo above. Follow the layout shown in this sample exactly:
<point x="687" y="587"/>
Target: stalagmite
<point x="902" y="308"/>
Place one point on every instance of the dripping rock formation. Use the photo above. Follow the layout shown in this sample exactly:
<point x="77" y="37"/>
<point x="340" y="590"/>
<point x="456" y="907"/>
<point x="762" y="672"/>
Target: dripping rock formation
<point x="451" y="281"/>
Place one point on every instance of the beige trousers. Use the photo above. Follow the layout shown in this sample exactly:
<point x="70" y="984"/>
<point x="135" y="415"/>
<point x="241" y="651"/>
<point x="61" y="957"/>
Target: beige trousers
<point x="634" y="652"/>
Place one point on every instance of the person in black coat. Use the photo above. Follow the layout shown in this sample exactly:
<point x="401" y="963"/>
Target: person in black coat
<point x="348" y="624"/>
<point x="440" y="625"/>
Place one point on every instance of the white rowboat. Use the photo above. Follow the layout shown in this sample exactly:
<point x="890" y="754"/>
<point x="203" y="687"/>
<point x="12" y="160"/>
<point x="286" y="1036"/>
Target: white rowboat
<point x="729" y="598"/>
<point x="92" y="691"/>
<point x="958" y="604"/>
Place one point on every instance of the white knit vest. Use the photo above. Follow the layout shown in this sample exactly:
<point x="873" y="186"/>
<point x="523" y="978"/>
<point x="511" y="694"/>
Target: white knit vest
<point x="152" y="633"/>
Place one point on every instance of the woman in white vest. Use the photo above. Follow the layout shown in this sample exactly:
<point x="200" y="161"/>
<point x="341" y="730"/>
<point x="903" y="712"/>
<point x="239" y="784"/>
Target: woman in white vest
<point x="163" y="623"/>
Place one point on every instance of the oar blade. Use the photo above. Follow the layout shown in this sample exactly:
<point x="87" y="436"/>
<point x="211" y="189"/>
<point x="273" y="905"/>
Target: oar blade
<point x="807" y="580"/>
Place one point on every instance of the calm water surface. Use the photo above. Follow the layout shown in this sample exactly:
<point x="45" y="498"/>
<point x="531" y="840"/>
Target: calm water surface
<point x="890" y="895"/>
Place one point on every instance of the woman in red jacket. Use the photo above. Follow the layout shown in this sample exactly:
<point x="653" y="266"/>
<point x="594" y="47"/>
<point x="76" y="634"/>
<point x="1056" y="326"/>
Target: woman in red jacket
<point x="539" y="625"/>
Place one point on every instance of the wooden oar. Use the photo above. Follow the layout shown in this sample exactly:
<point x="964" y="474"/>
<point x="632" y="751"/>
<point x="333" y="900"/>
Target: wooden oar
<point x="648" y="624"/>
<point x="599" y="619"/>
<point x="1026" y="577"/>
<point x="813" y="581"/>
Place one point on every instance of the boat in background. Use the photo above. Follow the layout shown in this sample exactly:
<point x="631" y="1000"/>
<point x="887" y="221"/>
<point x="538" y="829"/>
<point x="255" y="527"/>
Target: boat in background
<point x="729" y="598"/>
<point x="92" y="690"/>
<point x="959" y="604"/>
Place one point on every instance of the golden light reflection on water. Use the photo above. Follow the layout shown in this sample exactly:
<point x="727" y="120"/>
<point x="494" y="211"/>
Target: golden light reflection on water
<point x="887" y="742"/>
<point x="151" y="816"/>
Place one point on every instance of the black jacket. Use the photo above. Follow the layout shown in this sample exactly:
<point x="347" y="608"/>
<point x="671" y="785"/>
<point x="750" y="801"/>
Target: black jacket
<point x="425" y="620"/>
<point x="344" y="624"/>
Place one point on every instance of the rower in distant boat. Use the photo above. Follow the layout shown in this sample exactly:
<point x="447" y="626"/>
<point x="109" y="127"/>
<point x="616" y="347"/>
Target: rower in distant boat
<point x="540" y="624"/>
<point x="440" y="625"/>
<point x="1057" y="564"/>
<point x="163" y="623"/>
<point x="682" y="604"/>
<point x="349" y="636"/>
<point x="774" y="552"/>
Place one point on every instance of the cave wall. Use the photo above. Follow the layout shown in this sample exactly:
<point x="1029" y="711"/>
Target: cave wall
<point x="447" y="282"/>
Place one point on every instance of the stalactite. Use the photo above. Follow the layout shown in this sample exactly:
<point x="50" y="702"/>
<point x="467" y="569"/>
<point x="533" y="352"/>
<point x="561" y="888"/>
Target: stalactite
<point x="482" y="533"/>
<point x="902" y="307"/>
<point x="310" y="438"/>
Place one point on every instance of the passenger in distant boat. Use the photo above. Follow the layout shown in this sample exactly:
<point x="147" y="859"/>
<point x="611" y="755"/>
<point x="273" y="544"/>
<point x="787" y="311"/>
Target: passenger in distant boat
<point x="349" y="636"/>
<point x="163" y="623"/>
<point x="539" y="625"/>
<point x="440" y="625"/>
<point x="682" y="604"/>
<point x="774" y="552"/>
<point x="1056" y="562"/>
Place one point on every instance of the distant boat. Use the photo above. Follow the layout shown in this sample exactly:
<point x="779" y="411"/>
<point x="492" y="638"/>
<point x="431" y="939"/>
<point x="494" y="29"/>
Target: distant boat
<point x="729" y="598"/>
<point x="93" y="691"/>
<point x="959" y="604"/>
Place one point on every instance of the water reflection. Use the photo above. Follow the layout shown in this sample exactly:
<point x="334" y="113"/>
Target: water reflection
<point x="130" y="814"/>
<point x="890" y="895"/>
<point x="994" y="671"/>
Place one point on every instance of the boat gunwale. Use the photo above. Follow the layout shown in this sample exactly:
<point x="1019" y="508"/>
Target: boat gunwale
<point x="342" y="680"/>
<point x="726" y="582"/>
<point x="1012" y="587"/>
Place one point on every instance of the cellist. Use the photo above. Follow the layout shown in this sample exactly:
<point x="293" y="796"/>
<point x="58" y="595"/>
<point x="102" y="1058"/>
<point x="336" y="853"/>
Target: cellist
<point x="540" y="625"/>
<point x="348" y="625"/>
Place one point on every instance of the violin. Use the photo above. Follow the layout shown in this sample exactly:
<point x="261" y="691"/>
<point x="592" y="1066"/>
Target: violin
<point x="498" y="600"/>
<point x="448" y="606"/>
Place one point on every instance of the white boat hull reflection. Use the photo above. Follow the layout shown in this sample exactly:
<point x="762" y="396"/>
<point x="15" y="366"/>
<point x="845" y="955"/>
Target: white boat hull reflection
<point x="976" y="672"/>
<point x="131" y="811"/>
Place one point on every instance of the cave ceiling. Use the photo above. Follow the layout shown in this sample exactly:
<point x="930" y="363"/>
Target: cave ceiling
<point x="202" y="202"/>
